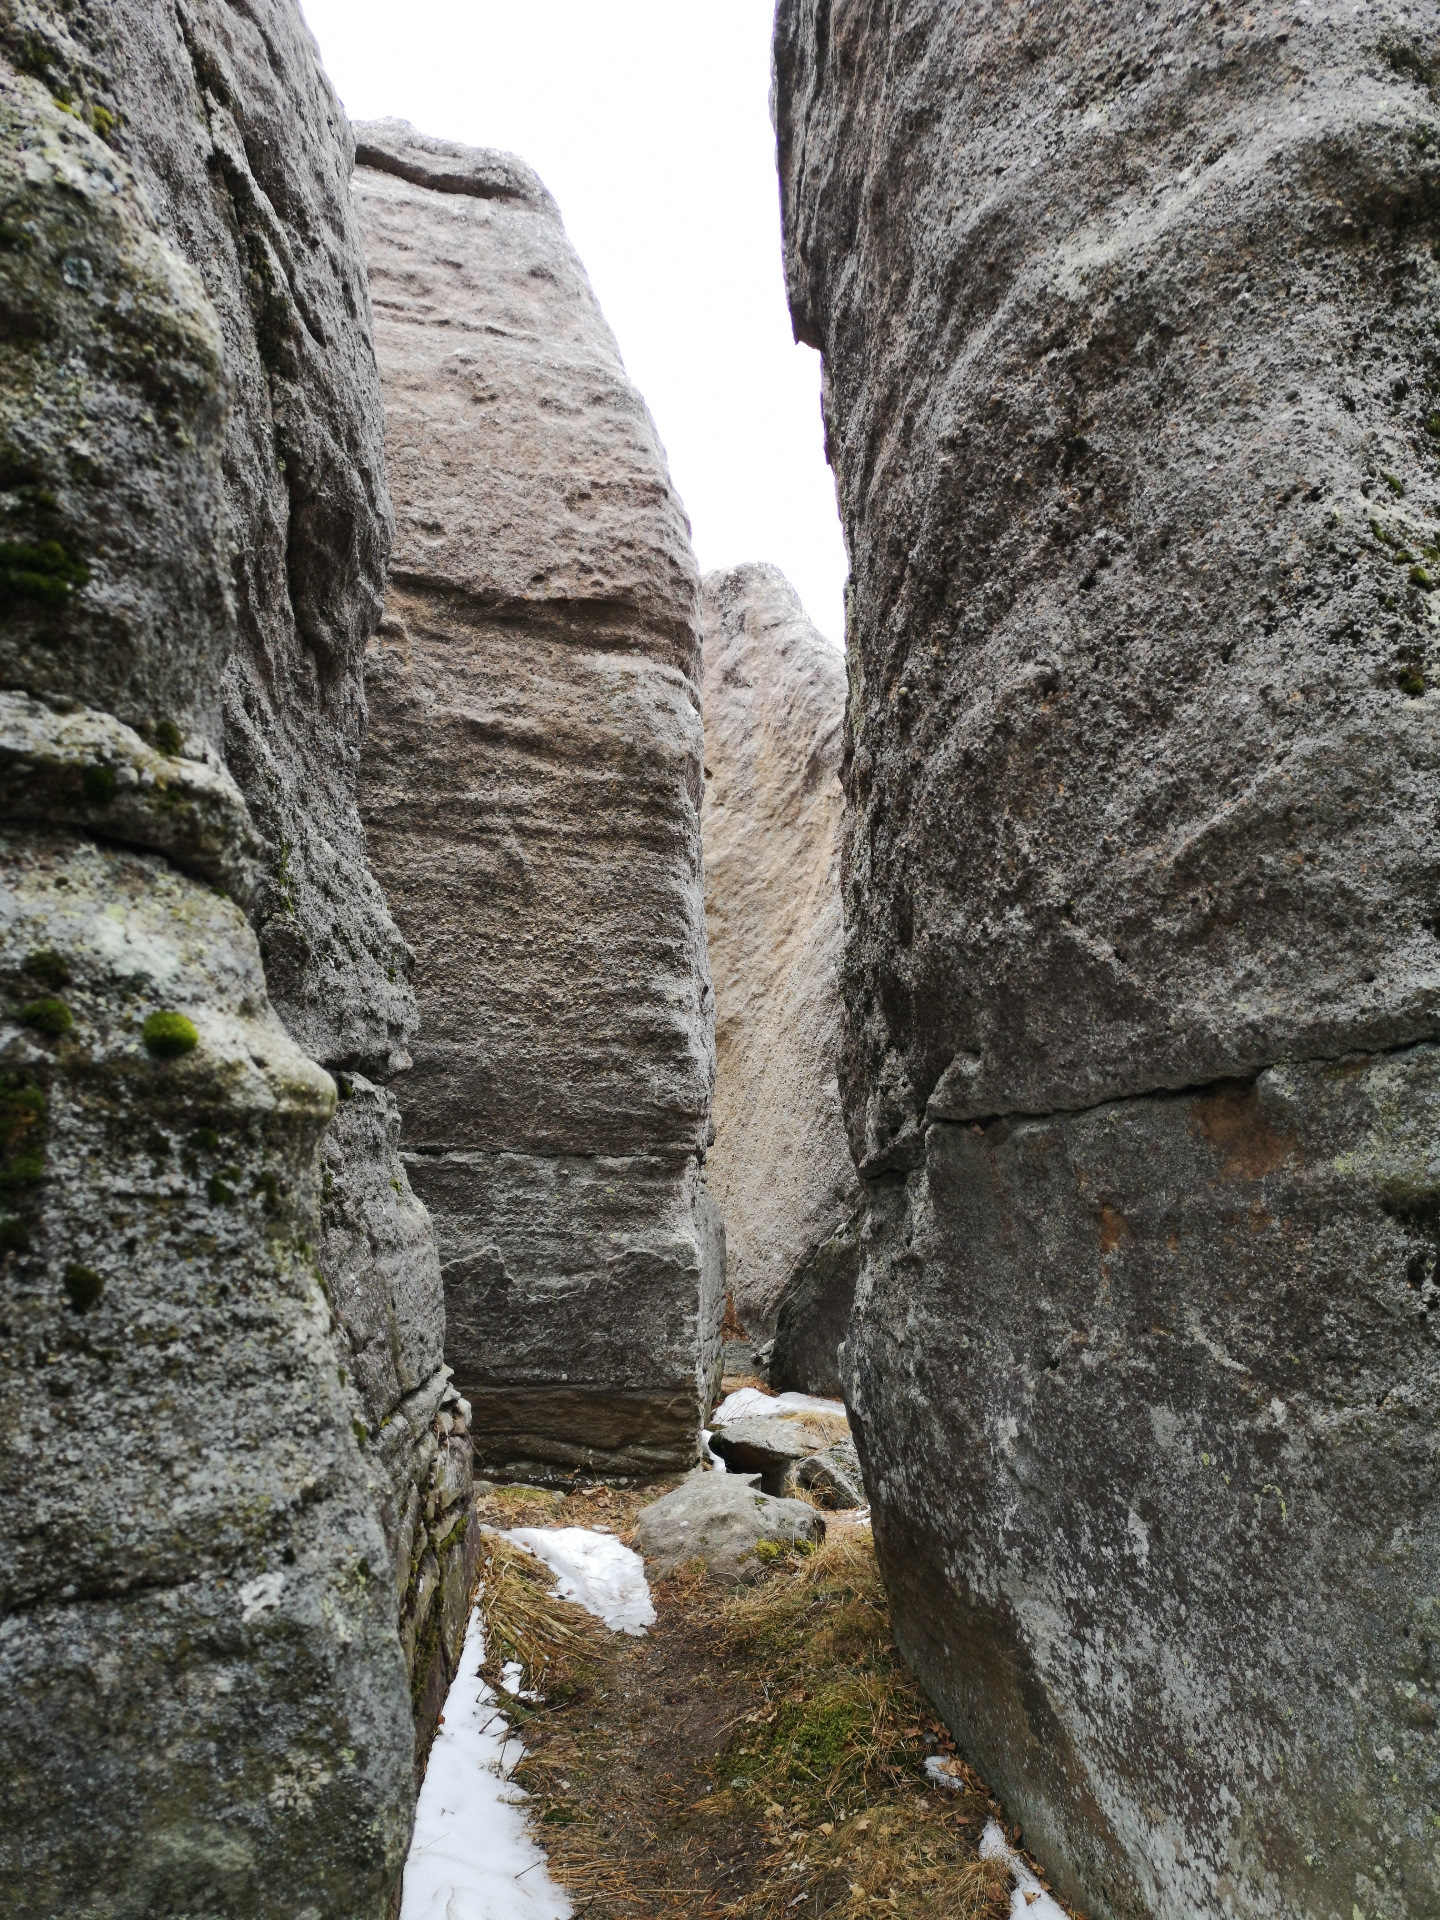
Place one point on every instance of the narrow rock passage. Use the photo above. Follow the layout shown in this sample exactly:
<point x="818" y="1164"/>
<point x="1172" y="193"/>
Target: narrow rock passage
<point x="627" y="1750"/>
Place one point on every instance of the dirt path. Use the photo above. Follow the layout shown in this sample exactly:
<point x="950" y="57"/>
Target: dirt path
<point x="752" y="1756"/>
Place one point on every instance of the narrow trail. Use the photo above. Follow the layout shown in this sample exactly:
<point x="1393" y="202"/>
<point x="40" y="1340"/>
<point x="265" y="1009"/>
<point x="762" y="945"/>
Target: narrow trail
<point x="723" y="1755"/>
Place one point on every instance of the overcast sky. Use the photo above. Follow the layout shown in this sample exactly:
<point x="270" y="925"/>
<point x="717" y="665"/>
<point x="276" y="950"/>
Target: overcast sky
<point x="649" y="122"/>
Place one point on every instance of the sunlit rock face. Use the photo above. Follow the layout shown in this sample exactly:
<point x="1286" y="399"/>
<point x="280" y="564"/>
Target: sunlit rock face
<point x="532" y="791"/>
<point x="1129" y="335"/>
<point x="780" y="1167"/>
<point x="214" y="1300"/>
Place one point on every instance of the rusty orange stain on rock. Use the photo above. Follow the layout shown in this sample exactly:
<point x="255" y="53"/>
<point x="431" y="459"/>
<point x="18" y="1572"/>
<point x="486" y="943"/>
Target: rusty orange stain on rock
<point x="1230" y="1119"/>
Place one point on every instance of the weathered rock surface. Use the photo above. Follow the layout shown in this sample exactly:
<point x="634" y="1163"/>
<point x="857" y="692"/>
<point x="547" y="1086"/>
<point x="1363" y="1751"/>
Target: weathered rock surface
<point x="724" y="1520"/>
<point x="196" y="527"/>
<point x="780" y="1168"/>
<point x="531" y="789"/>
<point x="814" y="1316"/>
<point x="1128" y="324"/>
<point x="771" y="1445"/>
<point x="194" y="1563"/>
<point x="241" y="146"/>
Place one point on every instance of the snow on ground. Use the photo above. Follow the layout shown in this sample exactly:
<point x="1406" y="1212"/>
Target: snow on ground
<point x="748" y="1403"/>
<point x="595" y="1571"/>
<point x="1029" y="1901"/>
<point x="471" y="1857"/>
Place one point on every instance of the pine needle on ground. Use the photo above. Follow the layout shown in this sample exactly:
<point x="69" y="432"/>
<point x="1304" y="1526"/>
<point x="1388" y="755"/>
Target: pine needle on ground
<point x="756" y="1757"/>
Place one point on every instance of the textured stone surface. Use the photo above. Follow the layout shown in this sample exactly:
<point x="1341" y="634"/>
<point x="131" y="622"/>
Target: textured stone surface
<point x="531" y="788"/>
<point x="814" y="1317"/>
<point x="1128" y="324"/>
<point x="780" y="1169"/>
<point x="722" y="1519"/>
<point x="196" y="526"/>
<point x="773" y="1445"/>
<point x="193" y="1562"/>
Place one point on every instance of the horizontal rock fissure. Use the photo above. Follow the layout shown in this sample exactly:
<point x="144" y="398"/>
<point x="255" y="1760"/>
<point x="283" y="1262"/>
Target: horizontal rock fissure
<point x="1188" y="1091"/>
<point x="609" y="624"/>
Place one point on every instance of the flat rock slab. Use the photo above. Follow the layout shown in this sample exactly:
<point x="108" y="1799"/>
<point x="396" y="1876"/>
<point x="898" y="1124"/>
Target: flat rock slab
<point x="722" y="1519"/>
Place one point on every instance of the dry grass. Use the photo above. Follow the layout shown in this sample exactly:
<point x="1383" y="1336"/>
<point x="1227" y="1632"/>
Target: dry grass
<point x="563" y="1651"/>
<point x="757" y="1757"/>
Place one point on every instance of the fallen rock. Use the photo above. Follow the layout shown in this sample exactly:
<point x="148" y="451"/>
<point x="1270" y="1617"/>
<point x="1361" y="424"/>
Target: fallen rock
<point x="780" y="1167"/>
<point x="773" y="1447"/>
<point x="724" y="1520"/>
<point x="1135" y="456"/>
<point x="832" y="1476"/>
<point x="531" y="787"/>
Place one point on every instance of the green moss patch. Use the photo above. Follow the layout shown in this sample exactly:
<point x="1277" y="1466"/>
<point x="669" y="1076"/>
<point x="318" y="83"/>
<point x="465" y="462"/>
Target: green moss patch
<point x="49" y="968"/>
<point x="43" y="572"/>
<point x="22" y="1132"/>
<point x="169" y="1035"/>
<point x="50" y="1017"/>
<point x="83" y="1287"/>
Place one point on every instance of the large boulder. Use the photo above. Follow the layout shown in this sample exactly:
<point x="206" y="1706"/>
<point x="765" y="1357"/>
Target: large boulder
<point x="209" y="1463"/>
<point x="1128" y="332"/>
<point x="238" y="143"/>
<point x="781" y="1168"/>
<point x="531" y="789"/>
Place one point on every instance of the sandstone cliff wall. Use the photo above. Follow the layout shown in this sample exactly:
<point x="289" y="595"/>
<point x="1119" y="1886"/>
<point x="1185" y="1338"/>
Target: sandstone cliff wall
<point x="780" y="1168"/>
<point x="1129" y="336"/>
<point x="531" y="789"/>
<point x="209" y="1540"/>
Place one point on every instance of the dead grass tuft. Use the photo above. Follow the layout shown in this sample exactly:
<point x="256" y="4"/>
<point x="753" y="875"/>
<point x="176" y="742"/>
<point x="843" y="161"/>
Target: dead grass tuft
<point x="758" y="1757"/>
<point x="563" y="1651"/>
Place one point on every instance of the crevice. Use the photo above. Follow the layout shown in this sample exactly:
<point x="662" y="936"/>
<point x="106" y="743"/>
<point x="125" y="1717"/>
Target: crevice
<point x="1189" y="1091"/>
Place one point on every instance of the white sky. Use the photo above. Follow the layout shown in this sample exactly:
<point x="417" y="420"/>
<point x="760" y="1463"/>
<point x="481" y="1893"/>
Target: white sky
<point x="649" y="122"/>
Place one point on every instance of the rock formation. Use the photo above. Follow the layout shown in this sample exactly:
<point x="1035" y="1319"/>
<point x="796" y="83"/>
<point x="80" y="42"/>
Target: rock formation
<point x="780" y="1168"/>
<point x="531" y="790"/>
<point x="1129" y="337"/>
<point x="233" y="1460"/>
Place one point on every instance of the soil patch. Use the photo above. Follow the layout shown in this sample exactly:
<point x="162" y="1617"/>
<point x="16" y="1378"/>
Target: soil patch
<point x="756" y="1755"/>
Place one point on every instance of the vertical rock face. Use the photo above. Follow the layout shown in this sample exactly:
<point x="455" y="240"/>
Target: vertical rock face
<point x="204" y="1698"/>
<point x="1129" y="329"/>
<point x="780" y="1168"/>
<point x="532" y="789"/>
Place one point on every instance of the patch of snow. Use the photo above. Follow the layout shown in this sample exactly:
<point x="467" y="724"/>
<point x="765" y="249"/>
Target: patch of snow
<point x="511" y="1674"/>
<point x="1029" y="1901"/>
<point x="595" y="1571"/>
<point x="749" y="1403"/>
<point x="472" y="1857"/>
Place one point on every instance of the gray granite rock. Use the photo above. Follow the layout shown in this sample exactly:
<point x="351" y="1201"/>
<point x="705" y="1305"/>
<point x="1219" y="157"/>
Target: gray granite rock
<point x="531" y="788"/>
<point x="724" y="1520"/>
<point x="1128" y="330"/>
<point x="194" y="1563"/>
<point x="814" y="1319"/>
<point x="780" y="1168"/>
<point x="832" y="1477"/>
<point x="196" y="526"/>
<point x="773" y="1446"/>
